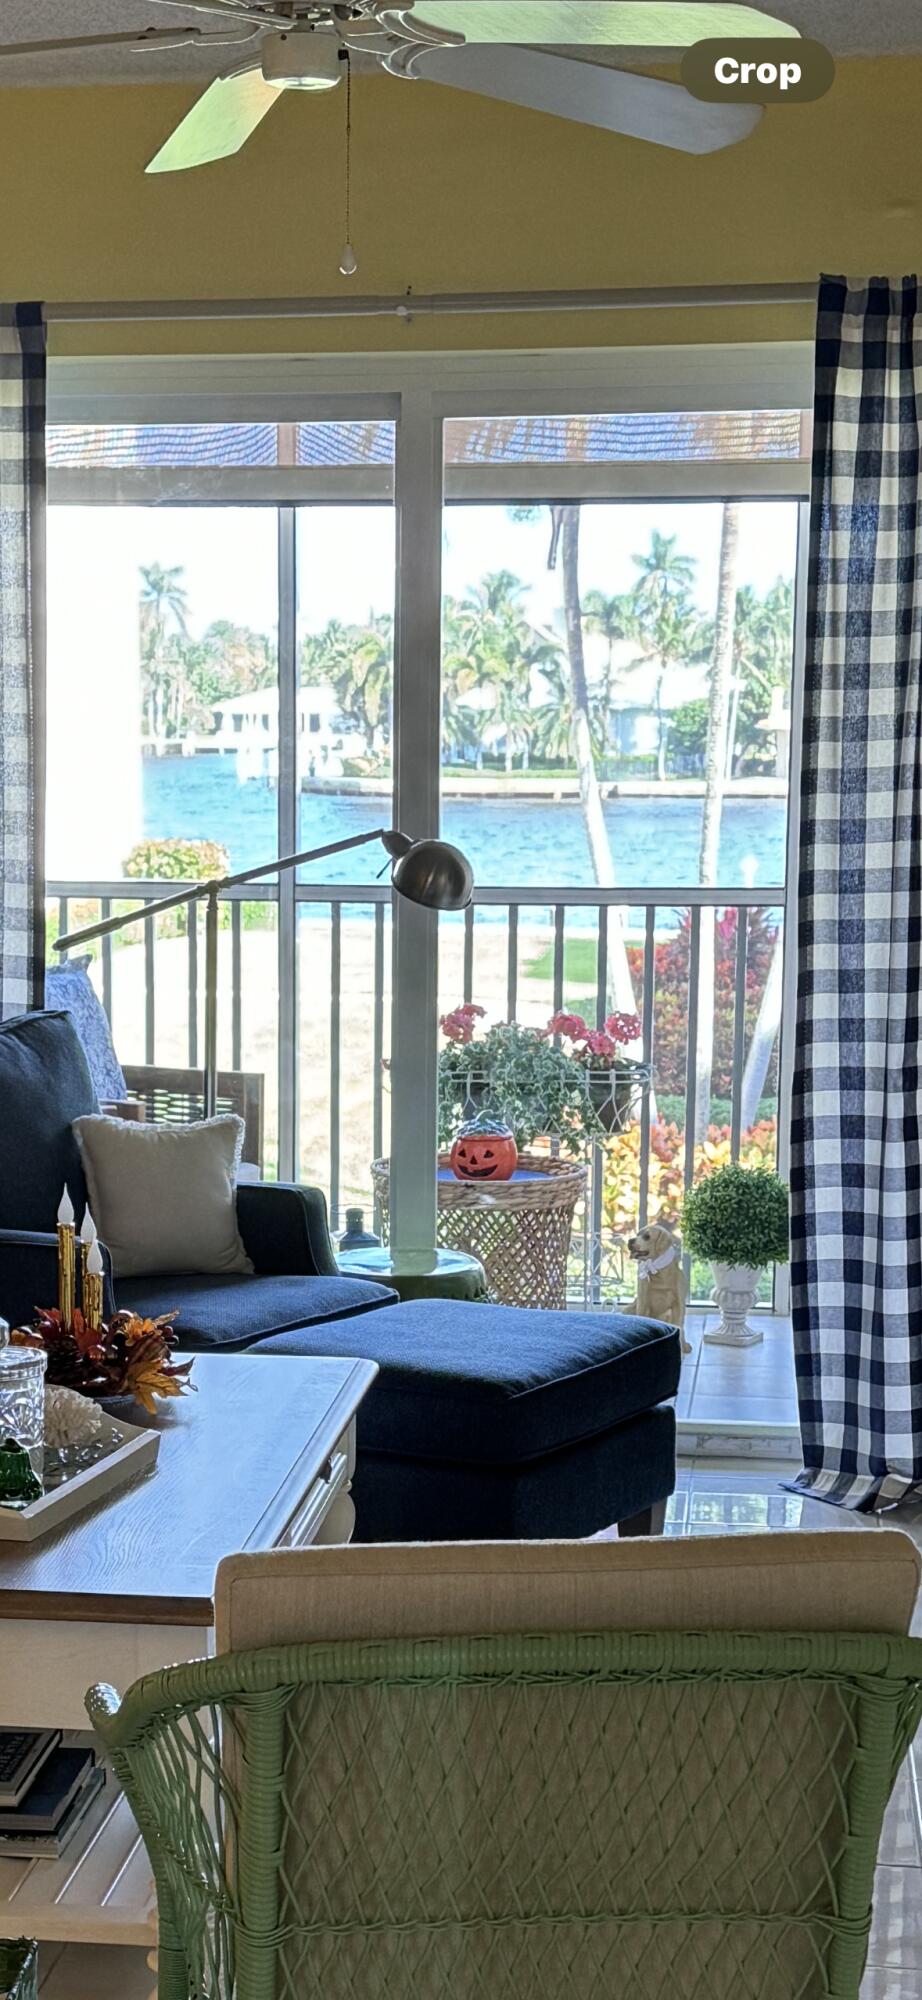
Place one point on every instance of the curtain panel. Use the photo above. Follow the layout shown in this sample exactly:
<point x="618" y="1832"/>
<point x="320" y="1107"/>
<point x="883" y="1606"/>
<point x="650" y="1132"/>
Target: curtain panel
<point x="856" y="1207"/>
<point x="22" y="657"/>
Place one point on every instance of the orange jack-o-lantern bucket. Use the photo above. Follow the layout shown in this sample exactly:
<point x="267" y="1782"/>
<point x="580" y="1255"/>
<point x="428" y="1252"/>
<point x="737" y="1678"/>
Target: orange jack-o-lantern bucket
<point x="484" y="1151"/>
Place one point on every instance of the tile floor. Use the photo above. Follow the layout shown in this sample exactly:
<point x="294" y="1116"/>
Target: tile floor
<point x="719" y="1498"/>
<point x="741" y="1384"/>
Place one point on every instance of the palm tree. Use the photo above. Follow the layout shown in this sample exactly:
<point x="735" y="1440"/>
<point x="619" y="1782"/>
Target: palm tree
<point x="492" y="647"/>
<point x="663" y="621"/>
<point x="162" y="607"/>
<point x="565" y="526"/>
<point x="611" y="618"/>
<point x="164" y="598"/>
<point x="761" y="662"/>
<point x="372" y="675"/>
<point x="356" y="661"/>
<point x="715" y="765"/>
<point x="553" y="736"/>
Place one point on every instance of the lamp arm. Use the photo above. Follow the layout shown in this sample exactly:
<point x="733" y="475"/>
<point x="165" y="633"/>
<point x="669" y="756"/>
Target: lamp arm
<point x="297" y="860"/>
<point x="214" y="887"/>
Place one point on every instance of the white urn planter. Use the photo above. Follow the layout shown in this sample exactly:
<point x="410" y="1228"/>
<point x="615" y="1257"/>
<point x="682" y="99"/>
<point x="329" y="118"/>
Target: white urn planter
<point x="735" y="1289"/>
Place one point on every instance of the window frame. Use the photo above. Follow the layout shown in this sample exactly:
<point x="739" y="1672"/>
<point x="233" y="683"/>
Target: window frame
<point x="419" y="394"/>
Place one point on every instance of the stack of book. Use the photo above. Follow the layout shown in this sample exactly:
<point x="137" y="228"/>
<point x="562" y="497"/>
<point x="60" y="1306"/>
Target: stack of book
<point x="46" y="1789"/>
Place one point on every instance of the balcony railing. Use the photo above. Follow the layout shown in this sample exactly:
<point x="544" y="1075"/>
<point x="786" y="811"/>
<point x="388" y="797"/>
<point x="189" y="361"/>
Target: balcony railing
<point x="522" y="953"/>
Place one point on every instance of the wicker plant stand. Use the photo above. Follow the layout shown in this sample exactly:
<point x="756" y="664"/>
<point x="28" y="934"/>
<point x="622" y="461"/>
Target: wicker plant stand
<point x="519" y="1230"/>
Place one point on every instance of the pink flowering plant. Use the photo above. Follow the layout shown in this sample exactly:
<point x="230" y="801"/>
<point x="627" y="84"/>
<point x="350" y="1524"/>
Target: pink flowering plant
<point x="598" y="1048"/>
<point x="458" y="1026"/>
<point x="536" y="1079"/>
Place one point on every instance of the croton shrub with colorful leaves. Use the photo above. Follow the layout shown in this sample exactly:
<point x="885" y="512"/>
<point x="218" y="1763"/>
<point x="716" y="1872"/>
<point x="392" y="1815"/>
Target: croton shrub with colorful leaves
<point x="671" y="957"/>
<point x="621" y="1184"/>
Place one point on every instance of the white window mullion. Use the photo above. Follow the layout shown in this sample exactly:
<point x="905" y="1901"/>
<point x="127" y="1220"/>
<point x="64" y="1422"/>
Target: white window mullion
<point x="416" y="737"/>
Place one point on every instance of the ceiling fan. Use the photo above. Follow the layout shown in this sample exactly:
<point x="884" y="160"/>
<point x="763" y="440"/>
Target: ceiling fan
<point x="509" y="49"/>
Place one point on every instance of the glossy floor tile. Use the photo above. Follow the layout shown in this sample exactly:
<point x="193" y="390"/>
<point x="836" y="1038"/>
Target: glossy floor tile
<point x="723" y="1497"/>
<point x="739" y="1384"/>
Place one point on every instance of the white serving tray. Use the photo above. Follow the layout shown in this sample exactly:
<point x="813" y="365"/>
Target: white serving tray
<point x="136" y="1455"/>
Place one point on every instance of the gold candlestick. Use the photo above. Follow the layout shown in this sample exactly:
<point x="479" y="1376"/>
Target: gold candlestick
<point x="92" y="1285"/>
<point x="87" y="1239"/>
<point x="66" y="1259"/>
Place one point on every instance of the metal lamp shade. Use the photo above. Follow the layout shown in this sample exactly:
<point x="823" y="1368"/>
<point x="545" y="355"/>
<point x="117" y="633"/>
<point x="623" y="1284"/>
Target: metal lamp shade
<point x="434" y="874"/>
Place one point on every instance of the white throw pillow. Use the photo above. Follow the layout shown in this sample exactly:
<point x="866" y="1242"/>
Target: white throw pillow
<point x="163" y="1196"/>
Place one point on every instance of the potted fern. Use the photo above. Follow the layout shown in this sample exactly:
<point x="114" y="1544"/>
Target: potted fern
<point x="738" y="1219"/>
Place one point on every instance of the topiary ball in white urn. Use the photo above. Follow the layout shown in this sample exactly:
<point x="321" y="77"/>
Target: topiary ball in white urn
<point x="738" y="1219"/>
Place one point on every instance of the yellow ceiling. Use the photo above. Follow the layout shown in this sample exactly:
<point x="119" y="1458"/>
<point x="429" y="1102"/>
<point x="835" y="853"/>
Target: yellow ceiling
<point x="453" y="193"/>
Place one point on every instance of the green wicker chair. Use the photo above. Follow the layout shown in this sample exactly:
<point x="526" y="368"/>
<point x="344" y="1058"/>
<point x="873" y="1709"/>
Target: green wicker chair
<point x="601" y="1814"/>
<point x="18" y="1969"/>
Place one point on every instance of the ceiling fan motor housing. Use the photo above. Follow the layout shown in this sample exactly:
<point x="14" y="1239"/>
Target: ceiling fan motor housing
<point x="307" y="59"/>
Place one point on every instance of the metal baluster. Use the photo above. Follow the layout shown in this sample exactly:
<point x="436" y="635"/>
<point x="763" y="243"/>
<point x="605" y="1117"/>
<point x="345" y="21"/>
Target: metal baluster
<point x="149" y="1024"/>
<point x="106" y="942"/>
<point x="236" y="984"/>
<point x="601" y="968"/>
<point x="335" y="989"/>
<point x="63" y="907"/>
<point x="647" y="1016"/>
<point x="192" y="947"/>
<point x="469" y="952"/>
<point x="739" y="1031"/>
<point x="691" y="1046"/>
<point x="512" y="961"/>
<point x="592" y="1261"/>
<point x="559" y="920"/>
<point x="377" y="1058"/>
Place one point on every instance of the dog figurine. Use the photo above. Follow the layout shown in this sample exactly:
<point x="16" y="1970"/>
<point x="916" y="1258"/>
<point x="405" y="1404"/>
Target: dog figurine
<point x="657" y="1253"/>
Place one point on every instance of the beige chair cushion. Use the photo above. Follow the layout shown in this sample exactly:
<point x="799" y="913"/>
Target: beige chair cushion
<point x="781" y="1582"/>
<point x="164" y="1196"/>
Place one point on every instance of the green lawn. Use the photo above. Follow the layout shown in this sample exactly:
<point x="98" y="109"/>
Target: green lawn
<point x="579" y="968"/>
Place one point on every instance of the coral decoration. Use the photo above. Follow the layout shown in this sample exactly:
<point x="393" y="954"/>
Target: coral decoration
<point x="123" y="1356"/>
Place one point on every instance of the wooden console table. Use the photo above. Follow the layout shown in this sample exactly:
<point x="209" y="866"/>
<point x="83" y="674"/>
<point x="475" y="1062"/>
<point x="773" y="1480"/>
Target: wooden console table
<point x="261" y="1457"/>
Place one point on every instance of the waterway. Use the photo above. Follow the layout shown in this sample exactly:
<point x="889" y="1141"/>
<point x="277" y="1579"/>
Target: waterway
<point x="510" y="842"/>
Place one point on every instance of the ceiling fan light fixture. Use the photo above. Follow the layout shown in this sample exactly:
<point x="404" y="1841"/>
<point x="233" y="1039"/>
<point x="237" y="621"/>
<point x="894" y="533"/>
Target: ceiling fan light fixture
<point x="307" y="59"/>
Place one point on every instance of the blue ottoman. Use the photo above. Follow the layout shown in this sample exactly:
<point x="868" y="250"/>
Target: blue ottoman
<point x="494" y="1423"/>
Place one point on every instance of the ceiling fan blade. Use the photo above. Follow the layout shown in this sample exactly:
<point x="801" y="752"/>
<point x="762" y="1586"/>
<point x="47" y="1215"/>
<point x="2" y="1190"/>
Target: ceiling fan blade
<point x="171" y="38"/>
<point x="639" y="107"/>
<point x="605" y="23"/>
<point x="260" y="16"/>
<point x="219" y="124"/>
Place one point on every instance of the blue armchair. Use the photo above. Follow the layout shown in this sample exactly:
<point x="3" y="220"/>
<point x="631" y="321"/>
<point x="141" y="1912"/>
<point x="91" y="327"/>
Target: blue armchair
<point x="45" y="1084"/>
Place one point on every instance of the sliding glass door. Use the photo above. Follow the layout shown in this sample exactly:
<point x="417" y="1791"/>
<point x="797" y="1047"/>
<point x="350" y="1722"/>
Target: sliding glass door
<point x="252" y="626"/>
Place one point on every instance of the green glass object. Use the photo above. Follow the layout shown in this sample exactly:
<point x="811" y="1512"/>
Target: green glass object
<point x="18" y="1483"/>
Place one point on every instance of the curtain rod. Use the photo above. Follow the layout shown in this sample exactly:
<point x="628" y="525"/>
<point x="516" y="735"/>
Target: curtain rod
<point x="434" y="305"/>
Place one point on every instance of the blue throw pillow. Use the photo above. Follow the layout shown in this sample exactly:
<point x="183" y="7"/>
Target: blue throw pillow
<point x="44" y="1085"/>
<point x="68" y="987"/>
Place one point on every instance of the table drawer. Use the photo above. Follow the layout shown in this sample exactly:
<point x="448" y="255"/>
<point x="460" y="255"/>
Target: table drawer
<point x="302" y="1528"/>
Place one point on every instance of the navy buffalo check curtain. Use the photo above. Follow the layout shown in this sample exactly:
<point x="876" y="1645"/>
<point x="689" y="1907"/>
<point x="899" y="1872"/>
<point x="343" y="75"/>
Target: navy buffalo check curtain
<point x="22" y="656"/>
<point x="856" y="1202"/>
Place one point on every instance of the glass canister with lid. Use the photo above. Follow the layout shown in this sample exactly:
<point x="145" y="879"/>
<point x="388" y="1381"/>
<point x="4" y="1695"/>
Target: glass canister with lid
<point x="22" y="1413"/>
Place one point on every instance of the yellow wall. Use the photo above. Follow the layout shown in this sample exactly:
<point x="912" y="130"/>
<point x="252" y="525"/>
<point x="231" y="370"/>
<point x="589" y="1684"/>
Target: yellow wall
<point x="452" y="193"/>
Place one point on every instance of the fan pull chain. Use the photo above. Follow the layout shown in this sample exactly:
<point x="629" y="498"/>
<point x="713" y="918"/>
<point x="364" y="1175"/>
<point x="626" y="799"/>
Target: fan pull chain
<point x="348" y="262"/>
